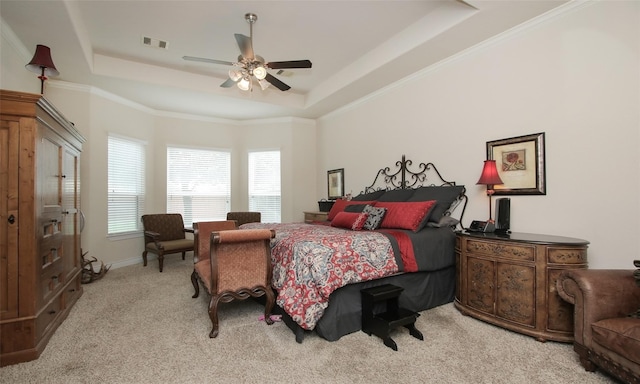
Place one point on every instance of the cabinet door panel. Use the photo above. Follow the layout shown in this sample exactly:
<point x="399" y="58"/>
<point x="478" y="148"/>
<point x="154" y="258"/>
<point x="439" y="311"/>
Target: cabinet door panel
<point x="480" y="284"/>
<point x="560" y="312"/>
<point x="516" y="293"/>
<point x="70" y="211"/>
<point x="9" y="148"/>
<point x="49" y="172"/>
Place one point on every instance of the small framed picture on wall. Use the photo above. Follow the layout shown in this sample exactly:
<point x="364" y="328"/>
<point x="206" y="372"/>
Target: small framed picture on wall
<point x="335" y="183"/>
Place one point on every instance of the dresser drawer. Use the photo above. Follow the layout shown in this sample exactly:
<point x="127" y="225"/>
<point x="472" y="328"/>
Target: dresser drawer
<point x="567" y="255"/>
<point x="48" y="316"/>
<point x="513" y="251"/>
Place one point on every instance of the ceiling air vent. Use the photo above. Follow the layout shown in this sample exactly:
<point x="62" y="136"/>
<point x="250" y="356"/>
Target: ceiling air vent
<point x="155" y="43"/>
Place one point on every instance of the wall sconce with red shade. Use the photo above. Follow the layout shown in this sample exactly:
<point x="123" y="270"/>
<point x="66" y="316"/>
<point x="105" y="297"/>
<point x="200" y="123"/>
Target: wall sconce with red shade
<point x="43" y="65"/>
<point x="489" y="177"/>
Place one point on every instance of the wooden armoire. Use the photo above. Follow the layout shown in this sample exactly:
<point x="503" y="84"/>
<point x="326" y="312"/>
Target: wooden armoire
<point x="40" y="219"/>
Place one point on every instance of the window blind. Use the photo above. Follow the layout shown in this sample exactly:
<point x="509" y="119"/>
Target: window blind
<point x="198" y="184"/>
<point x="264" y="185"/>
<point x="126" y="194"/>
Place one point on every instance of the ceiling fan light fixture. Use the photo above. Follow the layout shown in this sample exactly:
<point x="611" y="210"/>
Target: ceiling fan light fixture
<point x="250" y="66"/>
<point x="264" y="84"/>
<point x="260" y="72"/>
<point x="235" y="75"/>
<point x="244" y="84"/>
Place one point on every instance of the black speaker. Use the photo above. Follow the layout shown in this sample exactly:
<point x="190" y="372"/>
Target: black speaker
<point x="503" y="214"/>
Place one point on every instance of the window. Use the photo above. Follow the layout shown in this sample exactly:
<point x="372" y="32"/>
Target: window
<point x="264" y="185"/>
<point x="198" y="184"/>
<point x="126" y="163"/>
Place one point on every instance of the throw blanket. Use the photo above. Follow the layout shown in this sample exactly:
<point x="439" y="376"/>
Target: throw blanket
<point x="312" y="261"/>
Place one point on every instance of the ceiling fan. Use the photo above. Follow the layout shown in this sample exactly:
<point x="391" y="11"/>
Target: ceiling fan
<point x="250" y="65"/>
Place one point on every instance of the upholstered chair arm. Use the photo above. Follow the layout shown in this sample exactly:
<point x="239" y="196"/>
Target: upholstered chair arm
<point x="597" y="294"/>
<point x="155" y="237"/>
<point x="151" y="234"/>
<point x="242" y="235"/>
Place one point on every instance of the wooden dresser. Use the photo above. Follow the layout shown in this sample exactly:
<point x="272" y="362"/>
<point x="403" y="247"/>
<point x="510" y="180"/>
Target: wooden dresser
<point x="40" y="262"/>
<point x="510" y="280"/>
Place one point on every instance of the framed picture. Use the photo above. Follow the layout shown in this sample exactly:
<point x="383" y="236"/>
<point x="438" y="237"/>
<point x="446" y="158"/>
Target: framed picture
<point x="520" y="163"/>
<point x="335" y="183"/>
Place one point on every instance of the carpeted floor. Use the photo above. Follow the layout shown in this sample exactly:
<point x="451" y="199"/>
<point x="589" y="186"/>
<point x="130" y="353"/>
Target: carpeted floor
<point x="138" y="325"/>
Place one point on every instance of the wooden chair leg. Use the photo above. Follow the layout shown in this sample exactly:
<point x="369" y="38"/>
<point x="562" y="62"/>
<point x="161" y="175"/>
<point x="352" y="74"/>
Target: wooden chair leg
<point x="144" y="258"/>
<point x="183" y="254"/>
<point x="160" y="260"/>
<point x="196" y="286"/>
<point x="268" y="306"/>
<point x="213" y="315"/>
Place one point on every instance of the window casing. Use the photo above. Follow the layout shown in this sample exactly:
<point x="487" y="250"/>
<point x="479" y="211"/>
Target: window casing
<point x="126" y="185"/>
<point x="264" y="185"/>
<point x="198" y="184"/>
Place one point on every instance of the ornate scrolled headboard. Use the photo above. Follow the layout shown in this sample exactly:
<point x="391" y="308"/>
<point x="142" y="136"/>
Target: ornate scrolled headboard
<point x="426" y="175"/>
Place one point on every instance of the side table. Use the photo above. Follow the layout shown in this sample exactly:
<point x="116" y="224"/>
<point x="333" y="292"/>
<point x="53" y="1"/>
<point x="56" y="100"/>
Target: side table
<point x="310" y="217"/>
<point x="509" y="280"/>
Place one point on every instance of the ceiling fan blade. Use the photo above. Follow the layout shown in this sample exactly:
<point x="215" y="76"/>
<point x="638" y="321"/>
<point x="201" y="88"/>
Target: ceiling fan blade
<point x="244" y="43"/>
<point x="228" y="84"/>
<point x="277" y="83"/>
<point x="203" y="60"/>
<point x="289" y="64"/>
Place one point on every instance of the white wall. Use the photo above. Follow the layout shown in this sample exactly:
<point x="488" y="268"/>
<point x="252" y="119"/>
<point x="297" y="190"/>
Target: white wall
<point x="574" y="76"/>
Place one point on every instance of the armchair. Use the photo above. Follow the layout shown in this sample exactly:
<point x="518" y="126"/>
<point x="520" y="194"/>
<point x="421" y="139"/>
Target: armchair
<point x="244" y="217"/>
<point x="164" y="234"/>
<point x="605" y="336"/>
<point x="238" y="267"/>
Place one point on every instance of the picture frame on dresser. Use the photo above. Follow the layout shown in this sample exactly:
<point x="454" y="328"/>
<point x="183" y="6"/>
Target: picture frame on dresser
<point x="335" y="183"/>
<point x="521" y="164"/>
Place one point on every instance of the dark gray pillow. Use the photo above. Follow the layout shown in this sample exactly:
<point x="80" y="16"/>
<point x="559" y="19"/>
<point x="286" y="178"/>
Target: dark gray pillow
<point x="397" y="195"/>
<point x="375" y="217"/>
<point x="445" y="221"/>
<point x="445" y="196"/>
<point x="354" y="207"/>
<point x="369" y="196"/>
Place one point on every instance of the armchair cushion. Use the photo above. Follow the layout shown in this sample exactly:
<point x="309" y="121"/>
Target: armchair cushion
<point x="621" y="335"/>
<point x="170" y="246"/>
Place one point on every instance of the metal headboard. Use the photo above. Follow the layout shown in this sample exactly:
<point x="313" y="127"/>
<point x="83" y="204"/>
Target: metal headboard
<point x="405" y="178"/>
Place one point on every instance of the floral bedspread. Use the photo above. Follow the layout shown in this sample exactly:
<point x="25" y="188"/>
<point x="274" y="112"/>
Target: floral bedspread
<point x="312" y="261"/>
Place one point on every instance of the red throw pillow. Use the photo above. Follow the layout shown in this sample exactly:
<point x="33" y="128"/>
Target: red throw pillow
<point x="339" y="205"/>
<point x="406" y="215"/>
<point x="349" y="220"/>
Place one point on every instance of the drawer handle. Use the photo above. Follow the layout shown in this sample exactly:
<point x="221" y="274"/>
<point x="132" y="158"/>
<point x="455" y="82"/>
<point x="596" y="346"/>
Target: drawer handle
<point x="12" y="219"/>
<point x="72" y="290"/>
<point x="52" y="312"/>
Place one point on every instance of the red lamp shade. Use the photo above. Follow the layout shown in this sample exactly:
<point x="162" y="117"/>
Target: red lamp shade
<point x="489" y="174"/>
<point x="42" y="59"/>
<point x="42" y="64"/>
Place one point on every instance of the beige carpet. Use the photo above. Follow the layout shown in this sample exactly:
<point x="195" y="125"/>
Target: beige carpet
<point x="140" y="326"/>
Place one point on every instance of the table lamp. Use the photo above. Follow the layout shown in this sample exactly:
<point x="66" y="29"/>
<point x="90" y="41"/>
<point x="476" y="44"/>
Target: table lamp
<point x="490" y="177"/>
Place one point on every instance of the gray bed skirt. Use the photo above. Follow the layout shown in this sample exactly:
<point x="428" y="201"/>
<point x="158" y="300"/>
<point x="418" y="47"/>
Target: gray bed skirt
<point x="422" y="290"/>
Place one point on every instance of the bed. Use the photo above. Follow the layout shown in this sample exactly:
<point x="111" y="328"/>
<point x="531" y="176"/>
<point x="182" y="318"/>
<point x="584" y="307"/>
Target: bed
<point x="399" y="230"/>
